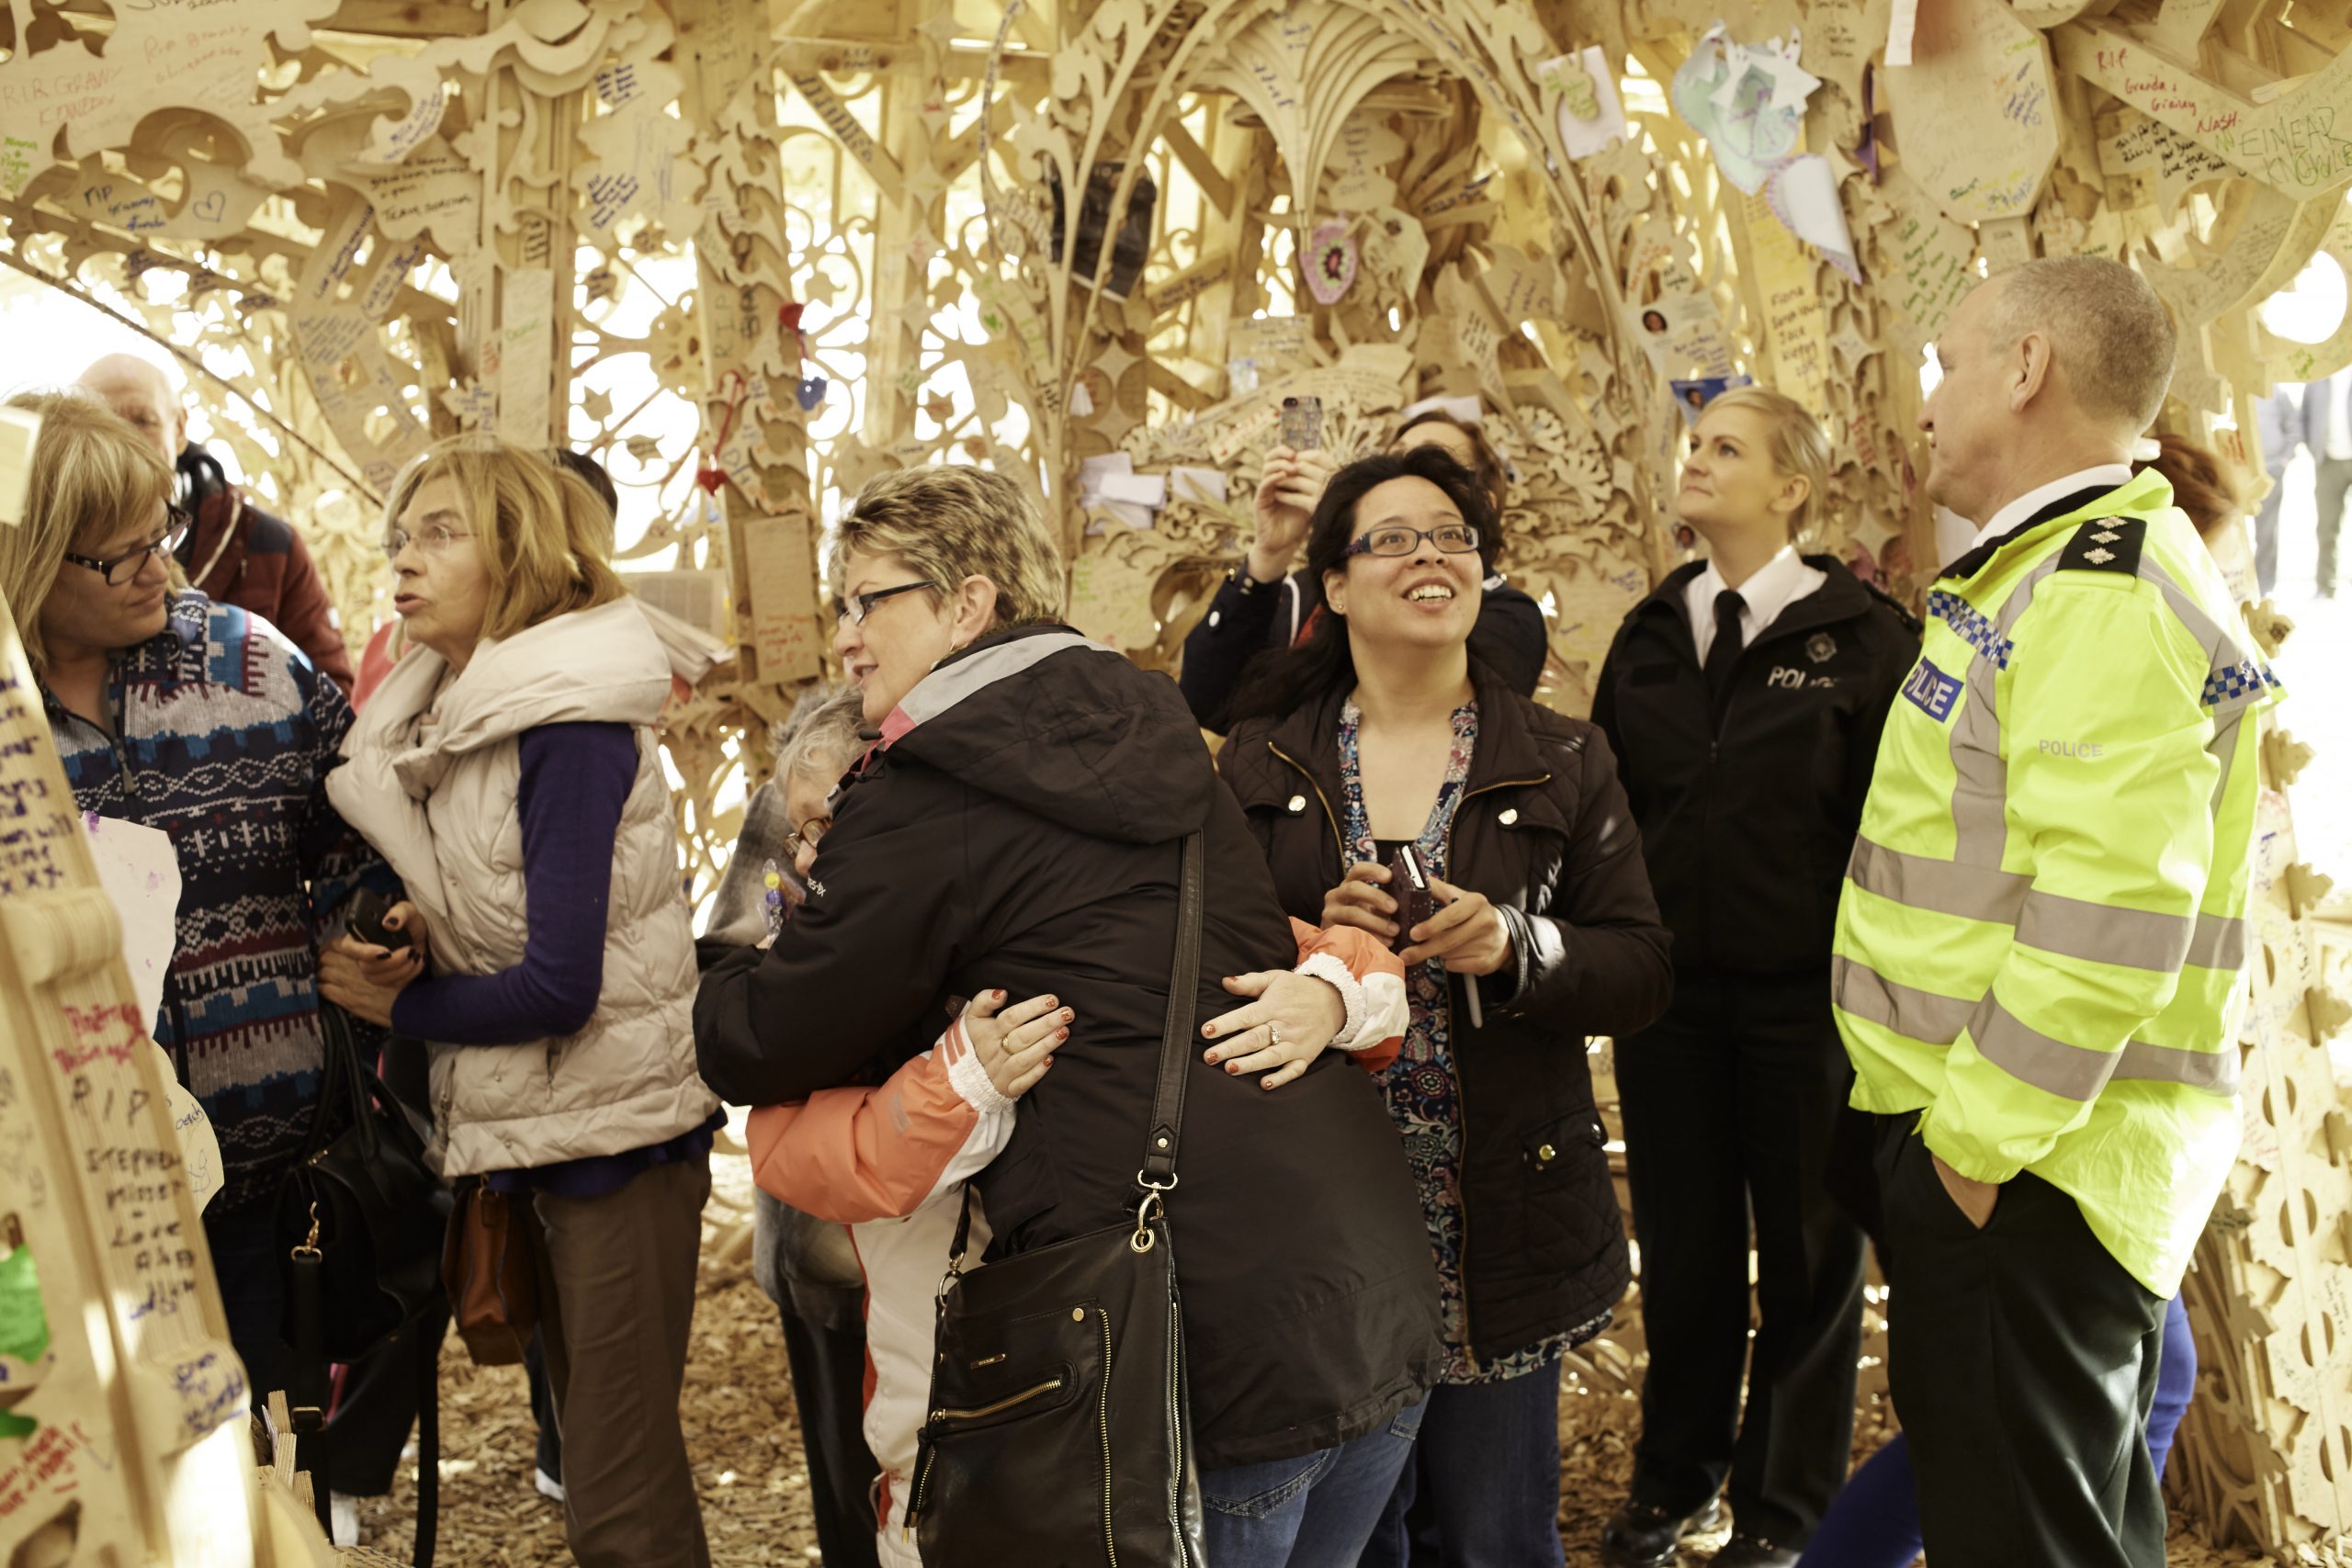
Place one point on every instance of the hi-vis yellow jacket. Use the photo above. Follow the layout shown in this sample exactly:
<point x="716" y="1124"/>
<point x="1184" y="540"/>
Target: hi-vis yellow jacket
<point x="2043" y="921"/>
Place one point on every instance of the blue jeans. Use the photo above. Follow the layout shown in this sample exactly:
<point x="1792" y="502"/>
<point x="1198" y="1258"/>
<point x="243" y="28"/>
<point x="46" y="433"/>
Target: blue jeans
<point x="1487" y="1466"/>
<point x="1875" y="1521"/>
<point x="1315" y="1511"/>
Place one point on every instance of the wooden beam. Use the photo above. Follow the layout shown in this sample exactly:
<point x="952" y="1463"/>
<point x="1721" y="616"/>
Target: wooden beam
<point x="409" y="18"/>
<point x="1198" y="164"/>
<point x="1163" y="380"/>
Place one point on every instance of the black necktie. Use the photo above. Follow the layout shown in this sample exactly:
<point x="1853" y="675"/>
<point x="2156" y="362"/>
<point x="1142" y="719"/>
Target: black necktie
<point x="1725" y="651"/>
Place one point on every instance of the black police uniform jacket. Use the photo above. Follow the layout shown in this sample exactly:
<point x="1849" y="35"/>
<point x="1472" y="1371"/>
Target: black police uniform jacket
<point x="1748" y="807"/>
<point x="1019" y="826"/>
<point x="1543" y="830"/>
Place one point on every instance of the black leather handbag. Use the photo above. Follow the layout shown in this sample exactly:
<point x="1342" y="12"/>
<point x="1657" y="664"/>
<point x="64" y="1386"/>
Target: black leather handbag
<point x="361" y="1222"/>
<point x="1059" y="1431"/>
<point x="360" y="1215"/>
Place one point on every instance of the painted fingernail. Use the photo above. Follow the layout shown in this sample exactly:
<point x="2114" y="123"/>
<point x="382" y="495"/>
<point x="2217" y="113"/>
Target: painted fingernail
<point x="1212" y="1058"/>
<point x="1063" y="1035"/>
<point x="1069" y="1013"/>
<point x="1209" y="1030"/>
<point x="1232" y="1068"/>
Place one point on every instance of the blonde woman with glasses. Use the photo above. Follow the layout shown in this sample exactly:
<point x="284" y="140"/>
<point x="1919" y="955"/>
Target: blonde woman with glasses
<point x="1743" y="700"/>
<point x="179" y="714"/>
<point x="507" y="767"/>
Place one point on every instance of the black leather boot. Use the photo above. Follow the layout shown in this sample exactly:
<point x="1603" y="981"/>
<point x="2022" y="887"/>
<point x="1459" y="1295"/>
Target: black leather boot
<point x="1643" y="1535"/>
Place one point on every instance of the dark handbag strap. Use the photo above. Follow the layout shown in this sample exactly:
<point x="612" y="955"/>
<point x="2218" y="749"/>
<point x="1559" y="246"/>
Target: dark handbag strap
<point x="1167" y="1123"/>
<point x="1157" y="1173"/>
<point x="311" y="1394"/>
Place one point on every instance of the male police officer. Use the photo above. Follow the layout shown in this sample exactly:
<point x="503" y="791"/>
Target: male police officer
<point x="2039" y="943"/>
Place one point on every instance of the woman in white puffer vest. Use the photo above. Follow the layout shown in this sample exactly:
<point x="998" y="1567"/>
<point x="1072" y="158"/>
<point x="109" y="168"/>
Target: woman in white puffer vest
<point x="508" y="771"/>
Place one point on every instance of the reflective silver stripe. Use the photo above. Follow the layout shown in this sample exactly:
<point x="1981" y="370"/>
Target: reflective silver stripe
<point x="1921" y="882"/>
<point x="2074" y="1072"/>
<point x="2215" y="1072"/>
<point x="2075" y="928"/>
<point x="2218" y="943"/>
<point x="1980" y="777"/>
<point x="1914" y="1014"/>
<point x="2030" y="1057"/>
<point x="2071" y="928"/>
<point x="2223" y="650"/>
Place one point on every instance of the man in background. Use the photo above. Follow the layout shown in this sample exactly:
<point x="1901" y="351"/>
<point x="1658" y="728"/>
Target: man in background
<point x="2283" y="421"/>
<point x="2327" y="430"/>
<point x="234" y="553"/>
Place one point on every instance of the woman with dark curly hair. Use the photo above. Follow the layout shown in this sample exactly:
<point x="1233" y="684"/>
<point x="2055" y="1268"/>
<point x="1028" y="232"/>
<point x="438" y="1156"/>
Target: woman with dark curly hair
<point x="1383" y="737"/>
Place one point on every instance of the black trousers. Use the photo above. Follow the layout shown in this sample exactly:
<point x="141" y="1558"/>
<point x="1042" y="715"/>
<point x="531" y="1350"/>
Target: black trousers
<point x="1729" y="1103"/>
<point x="2023" y="1361"/>
<point x="828" y="1385"/>
<point x="377" y="1407"/>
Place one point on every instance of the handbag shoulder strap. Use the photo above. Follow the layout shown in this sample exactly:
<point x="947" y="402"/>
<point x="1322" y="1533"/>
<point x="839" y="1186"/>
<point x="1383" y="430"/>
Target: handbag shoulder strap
<point x="1157" y="1173"/>
<point x="1167" y="1124"/>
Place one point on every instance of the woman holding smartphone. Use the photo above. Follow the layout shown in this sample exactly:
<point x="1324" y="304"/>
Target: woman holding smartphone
<point x="1743" y="700"/>
<point x="1381" y="733"/>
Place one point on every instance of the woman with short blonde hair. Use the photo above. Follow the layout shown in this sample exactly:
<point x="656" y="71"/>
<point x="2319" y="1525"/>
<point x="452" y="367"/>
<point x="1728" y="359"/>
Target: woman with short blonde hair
<point x="507" y="767"/>
<point x="950" y="523"/>
<point x="1796" y="446"/>
<point x="181" y="715"/>
<point x="1745" y="699"/>
<point x="1019" y="825"/>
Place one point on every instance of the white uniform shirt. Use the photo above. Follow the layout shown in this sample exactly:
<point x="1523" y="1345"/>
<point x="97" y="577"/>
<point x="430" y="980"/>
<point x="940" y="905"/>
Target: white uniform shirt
<point x="2105" y="476"/>
<point x="1776" y="584"/>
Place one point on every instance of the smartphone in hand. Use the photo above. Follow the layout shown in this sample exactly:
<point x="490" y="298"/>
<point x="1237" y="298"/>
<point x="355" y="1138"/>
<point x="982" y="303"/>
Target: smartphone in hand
<point x="1408" y="883"/>
<point x="1302" y="426"/>
<point x="369" y="908"/>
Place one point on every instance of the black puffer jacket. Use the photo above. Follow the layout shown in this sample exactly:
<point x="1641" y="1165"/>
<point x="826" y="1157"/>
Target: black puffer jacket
<point x="1749" y="813"/>
<point x="1025" y="833"/>
<point x="1541" y="829"/>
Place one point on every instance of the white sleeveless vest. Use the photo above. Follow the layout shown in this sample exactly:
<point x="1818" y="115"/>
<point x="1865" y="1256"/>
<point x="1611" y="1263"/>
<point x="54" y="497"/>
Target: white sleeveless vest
<point x="435" y="794"/>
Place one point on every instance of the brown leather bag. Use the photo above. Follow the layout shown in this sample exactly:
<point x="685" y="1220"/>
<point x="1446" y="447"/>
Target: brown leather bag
<point x="488" y="1269"/>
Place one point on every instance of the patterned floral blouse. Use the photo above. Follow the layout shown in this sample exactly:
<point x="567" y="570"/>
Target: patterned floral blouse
<point x="1423" y="1091"/>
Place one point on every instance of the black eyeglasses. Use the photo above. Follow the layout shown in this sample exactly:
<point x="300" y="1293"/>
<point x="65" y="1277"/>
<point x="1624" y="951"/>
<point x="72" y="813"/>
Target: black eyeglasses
<point x="858" y="606"/>
<point x="1453" y="539"/>
<point x="122" y="568"/>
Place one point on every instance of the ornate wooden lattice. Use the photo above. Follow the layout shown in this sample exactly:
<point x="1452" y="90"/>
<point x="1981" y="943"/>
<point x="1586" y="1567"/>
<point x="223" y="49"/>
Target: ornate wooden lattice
<point x="1094" y="242"/>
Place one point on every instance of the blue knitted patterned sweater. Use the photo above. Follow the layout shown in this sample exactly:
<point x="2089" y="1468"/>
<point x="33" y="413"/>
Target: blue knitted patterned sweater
<point x="224" y="734"/>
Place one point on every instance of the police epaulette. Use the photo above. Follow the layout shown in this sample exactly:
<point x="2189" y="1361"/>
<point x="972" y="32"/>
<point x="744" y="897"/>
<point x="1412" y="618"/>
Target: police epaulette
<point x="2106" y="544"/>
<point x="1903" y="612"/>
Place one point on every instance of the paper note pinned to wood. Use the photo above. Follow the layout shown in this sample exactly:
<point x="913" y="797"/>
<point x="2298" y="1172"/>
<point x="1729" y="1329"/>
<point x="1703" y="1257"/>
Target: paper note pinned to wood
<point x="199" y="1145"/>
<point x="1902" y="26"/>
<point x="1592" y="115"/>
<point x="140" y="873"/>
<point x="780" y="568"/>
<point x="1110" y="600"/>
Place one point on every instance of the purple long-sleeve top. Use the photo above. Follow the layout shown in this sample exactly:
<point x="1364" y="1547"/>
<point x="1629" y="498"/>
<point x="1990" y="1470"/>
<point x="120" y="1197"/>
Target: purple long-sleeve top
<point x="575" y="780"/>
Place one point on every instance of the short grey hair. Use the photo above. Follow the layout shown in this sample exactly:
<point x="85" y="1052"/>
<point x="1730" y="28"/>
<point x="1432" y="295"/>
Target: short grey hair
<point x="2106" y="327"/>
<point x="822" y="736"/>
